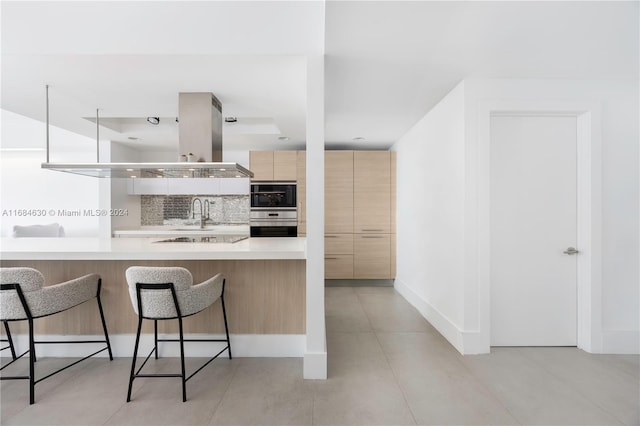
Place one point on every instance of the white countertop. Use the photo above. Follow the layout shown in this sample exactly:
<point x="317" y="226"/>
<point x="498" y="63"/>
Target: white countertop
<point x="147" y="249"/>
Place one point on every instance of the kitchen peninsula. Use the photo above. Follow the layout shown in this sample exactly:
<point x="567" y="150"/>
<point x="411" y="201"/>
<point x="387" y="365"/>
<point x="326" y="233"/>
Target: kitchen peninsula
<point x="264" y="294"/>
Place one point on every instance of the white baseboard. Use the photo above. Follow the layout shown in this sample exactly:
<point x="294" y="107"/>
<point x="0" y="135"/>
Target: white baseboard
<point x="449" y="330"/>
<point x="315" y="366"/>
<point x="242" y="345"/>
<point x="621" y="342"/>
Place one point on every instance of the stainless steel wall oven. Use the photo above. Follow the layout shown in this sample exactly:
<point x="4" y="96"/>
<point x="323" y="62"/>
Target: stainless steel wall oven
<point x="273" y="209"/>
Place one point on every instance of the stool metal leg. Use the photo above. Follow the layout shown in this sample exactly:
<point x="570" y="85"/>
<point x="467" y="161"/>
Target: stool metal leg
<point x="135" y="356"/>
<point x="104" y="323"/>
<point x="155" y="335"/>
<point x="9" y="340"/>
<point x="184" y="374"/>
<point x="32" y="360"/>
<point x="226" y="326"/>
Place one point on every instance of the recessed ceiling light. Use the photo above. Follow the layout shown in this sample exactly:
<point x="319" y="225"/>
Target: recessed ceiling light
<point x="230" y="119"/>
<point x="358" y="138"/>
<point x="154" y="120"/>
<point x="223" y="170"/>
<point x="129" y="170"/>
<point x="133" y="138"/>
<point x="283" y="138"/>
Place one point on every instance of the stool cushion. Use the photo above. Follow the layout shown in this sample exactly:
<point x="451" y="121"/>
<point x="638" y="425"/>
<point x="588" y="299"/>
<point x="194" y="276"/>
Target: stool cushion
<point x="159" y="304"/>
<point x="42" y="300"/>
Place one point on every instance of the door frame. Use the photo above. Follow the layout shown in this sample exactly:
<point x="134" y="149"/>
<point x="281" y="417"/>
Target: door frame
<point x="589" y="211"/>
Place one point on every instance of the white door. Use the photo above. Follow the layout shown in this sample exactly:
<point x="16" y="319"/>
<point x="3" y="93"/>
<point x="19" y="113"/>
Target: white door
<point x="533" y="221"/>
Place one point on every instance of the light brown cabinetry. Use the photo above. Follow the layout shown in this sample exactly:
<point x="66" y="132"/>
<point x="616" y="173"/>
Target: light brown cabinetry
<point x="359" y="215"/>
<point x="359" y="207"/>
<point x="372" y="192"/>
<point x="372" y="256"/>
<point x="285" y="165"/>
<point x="338" y="258"/>
<point x="338" y="214"/>
<point x="338" y="243"/>
<point x="393" y="212"/>
<point x="338" y="266"/>
<point x="338" y="189"/>
<point x="273" y="165"/>
<point x="261" y="164"/>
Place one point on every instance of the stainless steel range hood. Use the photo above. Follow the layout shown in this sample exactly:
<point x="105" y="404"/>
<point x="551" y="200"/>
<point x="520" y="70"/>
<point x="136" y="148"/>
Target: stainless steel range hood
<point x="153" y="170"/>
<point x="200" y="134"/>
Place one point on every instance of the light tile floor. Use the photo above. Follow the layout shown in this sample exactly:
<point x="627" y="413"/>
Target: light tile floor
<point x="387" y="366"/>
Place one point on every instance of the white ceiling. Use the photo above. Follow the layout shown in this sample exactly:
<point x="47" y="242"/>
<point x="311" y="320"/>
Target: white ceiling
<point x="387" y="62"/>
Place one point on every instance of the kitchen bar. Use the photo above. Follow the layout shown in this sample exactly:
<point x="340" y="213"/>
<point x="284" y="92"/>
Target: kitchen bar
<point x="265" y="291"/>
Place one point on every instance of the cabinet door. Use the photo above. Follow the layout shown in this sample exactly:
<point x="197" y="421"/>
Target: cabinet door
<point x="394" y="194"/>
<point x="372" y="256"/>
<point x="261" y="164"/>
<point x="301" y="174"/>
<point x="372" y="192"/>
<point x="338" y="243"/>
<point x="284" y="165"/>
<point x="338" y="190"/>
<point x="338" y="266"/>
<point x="148" y="186"/>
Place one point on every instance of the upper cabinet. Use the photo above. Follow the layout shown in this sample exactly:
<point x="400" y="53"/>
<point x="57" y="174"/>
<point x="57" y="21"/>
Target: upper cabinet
<point x="285" y="165"/>
<point x="261" y="164"/>
<point x="338" y="189"/>
<point x="273" y="165"/>
<point x="372" y="192"/>
<point x="194" y="186"/>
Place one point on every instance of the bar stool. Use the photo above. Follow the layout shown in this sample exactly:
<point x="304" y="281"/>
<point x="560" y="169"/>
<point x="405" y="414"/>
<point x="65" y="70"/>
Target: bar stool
<point x="168" y="293"/>
<point x="23" y="297"/>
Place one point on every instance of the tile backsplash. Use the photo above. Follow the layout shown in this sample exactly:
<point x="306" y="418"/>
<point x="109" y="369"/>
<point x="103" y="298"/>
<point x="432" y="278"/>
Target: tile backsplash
<point x="176" y="209"/>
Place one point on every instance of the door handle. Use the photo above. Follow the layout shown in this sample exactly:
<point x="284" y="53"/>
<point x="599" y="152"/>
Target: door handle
<point x="571" y="250"/>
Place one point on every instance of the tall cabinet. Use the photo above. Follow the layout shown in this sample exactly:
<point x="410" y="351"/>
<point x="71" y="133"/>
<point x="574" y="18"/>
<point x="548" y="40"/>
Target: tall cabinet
<point x="372" y="214"/>
<point x="359" y="215"/>
<point x="338" y="214"/>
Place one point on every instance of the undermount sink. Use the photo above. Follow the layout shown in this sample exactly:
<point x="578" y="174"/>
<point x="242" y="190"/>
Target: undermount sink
<point x="209" y="239"/>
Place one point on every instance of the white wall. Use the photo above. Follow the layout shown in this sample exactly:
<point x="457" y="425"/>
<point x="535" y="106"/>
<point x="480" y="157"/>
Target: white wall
<point x="24" y="185"/>
<point x="448" y="295"/>
<point x="430" y="215"/>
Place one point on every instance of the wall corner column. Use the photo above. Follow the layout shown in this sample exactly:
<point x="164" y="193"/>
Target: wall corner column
<point x="315" y="357"/>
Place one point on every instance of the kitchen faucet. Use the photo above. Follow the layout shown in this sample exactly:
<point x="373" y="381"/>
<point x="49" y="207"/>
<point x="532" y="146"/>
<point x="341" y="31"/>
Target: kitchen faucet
<point x="204" y="213"/>
<point x="193" y="211"/>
